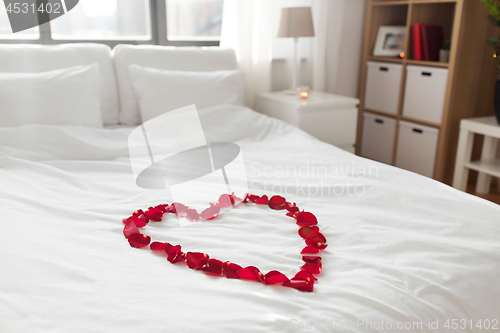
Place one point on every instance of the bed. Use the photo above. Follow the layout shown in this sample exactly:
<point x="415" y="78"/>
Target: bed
<point x="405" y="253"/>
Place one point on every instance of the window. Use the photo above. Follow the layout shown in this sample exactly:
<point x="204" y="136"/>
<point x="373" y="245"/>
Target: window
<point x="163" y="22"/>
<point x="6" y="30"/>
<point x="194" y="19"/>
<point x="104" y="20"/>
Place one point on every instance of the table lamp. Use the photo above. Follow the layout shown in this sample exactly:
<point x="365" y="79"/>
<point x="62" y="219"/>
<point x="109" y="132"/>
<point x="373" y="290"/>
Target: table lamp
<point x="295" y="22"/>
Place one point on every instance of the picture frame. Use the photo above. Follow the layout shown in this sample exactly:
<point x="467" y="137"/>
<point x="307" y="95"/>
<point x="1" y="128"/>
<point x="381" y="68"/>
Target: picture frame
<point x="390" y="41"/>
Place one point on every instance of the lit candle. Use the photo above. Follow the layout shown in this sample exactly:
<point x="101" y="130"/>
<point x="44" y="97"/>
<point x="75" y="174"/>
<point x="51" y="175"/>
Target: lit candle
<point x="303" y="94"/>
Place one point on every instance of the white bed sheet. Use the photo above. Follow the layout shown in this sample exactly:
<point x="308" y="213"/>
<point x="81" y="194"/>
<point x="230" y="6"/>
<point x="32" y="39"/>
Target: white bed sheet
<point x="407" y="250"/>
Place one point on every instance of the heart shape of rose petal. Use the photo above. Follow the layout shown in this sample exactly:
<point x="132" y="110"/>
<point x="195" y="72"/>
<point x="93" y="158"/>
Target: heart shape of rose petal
<point x="309" y="231"/>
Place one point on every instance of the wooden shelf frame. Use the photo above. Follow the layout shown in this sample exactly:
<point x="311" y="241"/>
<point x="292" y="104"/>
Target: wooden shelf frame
<point x="427" y="63"/>
<point x="471" y="69"/>
<point x="410" y="61"/>
<point x="390" y="3"/>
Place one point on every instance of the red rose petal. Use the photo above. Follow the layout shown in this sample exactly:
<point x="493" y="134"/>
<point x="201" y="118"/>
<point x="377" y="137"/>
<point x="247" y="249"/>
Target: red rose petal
<point x="316" y="239"/>
<point x="170" y="209"/>
<point x="294" y="215"/>
<point x="211" y="212"/>
<point x="140" y="214"/>
<point x="231" y="270"/>
<point x="304" y="275"/>
<point x="137" y="221"/>
<point x="312" y="264"/>
<point x="306" y="219"/>
<point x="238" y="200"/>
<point x="262" y="200"/>
<point x="154" y="214"/>
<point x="162" y="207"/>
<point x="130" y="228"/>
<point x="252" y="198"/>
<point x="175" y="254"/>
<point x="192" y="214"/>
<point x="235" y="199"/>
<point x="251" y="273"/>
<point x="316" y="235"/>
<point x="291" y="208"/>
<point x="277" y="202"/>
<point x="213" y="267"/>
<point x="157" y="246"/>
<point x="305" y="231"/>
<point x="316" y="244"/>
<point x="274" y="277"/>
<point x="196" y="260"/>
<point x="301" y="285"/>
<point x="139" y="240"/>
<point x="225" y="201"/>
<point x="179" y="209"/>
<point x="168" y="247"/>
<point x="311" y="259"/>
<point x="309" y="250"/>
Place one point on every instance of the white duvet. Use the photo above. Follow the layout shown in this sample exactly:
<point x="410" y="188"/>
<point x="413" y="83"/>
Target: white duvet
<point x="405" y="253"/>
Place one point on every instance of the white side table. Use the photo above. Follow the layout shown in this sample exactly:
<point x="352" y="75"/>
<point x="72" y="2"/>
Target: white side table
<point x="331" y="118"/>
<point x="487" y="166"/>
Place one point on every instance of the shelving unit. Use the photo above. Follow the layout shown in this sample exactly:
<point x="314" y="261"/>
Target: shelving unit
<point x="471" y="67"/>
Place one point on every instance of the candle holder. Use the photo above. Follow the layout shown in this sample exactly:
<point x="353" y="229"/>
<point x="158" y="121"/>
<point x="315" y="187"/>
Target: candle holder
<point x="303" y="92"/>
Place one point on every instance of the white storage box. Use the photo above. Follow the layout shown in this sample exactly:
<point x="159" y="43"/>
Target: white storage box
<point x="417" y="147"/>
<point x="377" y="140"/>
<point x="425" y="90"/>
<point x="382" y="86"/>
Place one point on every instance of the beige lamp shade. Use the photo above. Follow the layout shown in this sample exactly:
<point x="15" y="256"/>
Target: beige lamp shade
<point x="296" y="22"/>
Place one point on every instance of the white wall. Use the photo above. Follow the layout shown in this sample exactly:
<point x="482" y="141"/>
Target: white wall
<point x="344" y="64"/>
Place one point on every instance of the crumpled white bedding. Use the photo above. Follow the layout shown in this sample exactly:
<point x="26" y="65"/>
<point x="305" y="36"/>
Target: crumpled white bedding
<point x="403" y="249"/>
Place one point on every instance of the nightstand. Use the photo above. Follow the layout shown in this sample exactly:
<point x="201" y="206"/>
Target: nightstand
<point x="331" y="118"/>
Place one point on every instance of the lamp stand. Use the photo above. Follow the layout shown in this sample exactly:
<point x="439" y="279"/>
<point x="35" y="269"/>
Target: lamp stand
<point x="293" y="90"/>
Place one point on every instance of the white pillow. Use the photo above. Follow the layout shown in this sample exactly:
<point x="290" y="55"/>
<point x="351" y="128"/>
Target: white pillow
<point x="195" y="59"/>
<point x="160" y="91"/>
<point x="32" y="58"/>
<point x="67" y="96"/>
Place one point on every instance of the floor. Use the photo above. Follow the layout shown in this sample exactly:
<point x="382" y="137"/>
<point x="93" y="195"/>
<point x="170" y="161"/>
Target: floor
<point x="493" y="196"/>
